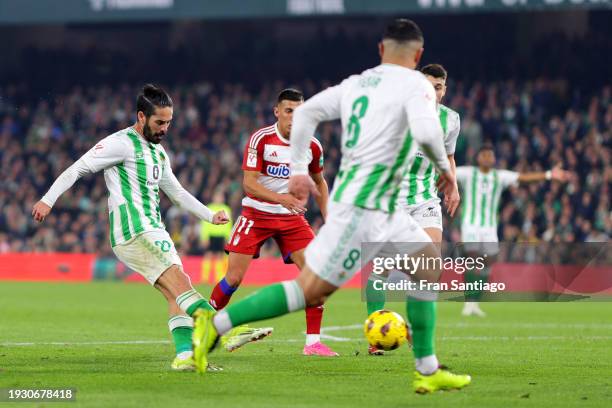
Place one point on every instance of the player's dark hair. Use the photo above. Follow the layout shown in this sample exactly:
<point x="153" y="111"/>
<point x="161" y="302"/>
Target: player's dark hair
<point x="290" y="94"/>
<point x="403" y="30"/>
<point x="152" y="97"/>
<point x="486" y="146"/>
<point x="434" y="70"/>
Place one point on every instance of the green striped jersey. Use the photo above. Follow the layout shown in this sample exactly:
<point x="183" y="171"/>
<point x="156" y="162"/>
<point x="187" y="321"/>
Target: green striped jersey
<point x="420" y="183"/>
<point x="374" y="108"/>
<point x="133" y="170"/>
<point x="481" y="193"/>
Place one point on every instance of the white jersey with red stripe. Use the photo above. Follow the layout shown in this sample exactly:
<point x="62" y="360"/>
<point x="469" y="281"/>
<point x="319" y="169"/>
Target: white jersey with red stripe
<point x="268" y="152"/>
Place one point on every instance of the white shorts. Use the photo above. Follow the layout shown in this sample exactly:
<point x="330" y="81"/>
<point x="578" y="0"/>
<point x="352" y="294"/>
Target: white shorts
<point x="482" y="240"/>
<point x="149" y="254"/>
<point x="335" y="254"/>
<point x="427" y="214"/>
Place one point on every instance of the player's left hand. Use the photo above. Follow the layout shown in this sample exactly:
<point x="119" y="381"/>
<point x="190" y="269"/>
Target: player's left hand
<point x="452" y="200"/>
<point x="220" y="217"/>
<point x="300" y="185"/>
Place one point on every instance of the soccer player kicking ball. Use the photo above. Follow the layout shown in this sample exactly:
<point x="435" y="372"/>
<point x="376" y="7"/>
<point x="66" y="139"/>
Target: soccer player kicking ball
<point x="135" y="167"/>
<point x="419" y="198"/>
<point x="270" y="212"/>
<point x="384" y="111"/>
<point x="482" y="188"/>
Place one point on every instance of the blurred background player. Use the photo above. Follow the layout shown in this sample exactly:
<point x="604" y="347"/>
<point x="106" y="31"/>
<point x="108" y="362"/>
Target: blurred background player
<point x="269" y="211"/>
<point x="215" y="236"/>
<point x="136" y="166"/>
<point x="383" y="111"/>
<point x="482" y="187"/>
<point x="419" y="198"/>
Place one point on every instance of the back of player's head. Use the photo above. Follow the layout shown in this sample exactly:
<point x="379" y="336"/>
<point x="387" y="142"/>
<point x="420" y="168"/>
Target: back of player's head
<point x="403" y="30"/>
<point x="434" y="70"/>
<point x="290" y="94"/>
<point x="151" y="97"/>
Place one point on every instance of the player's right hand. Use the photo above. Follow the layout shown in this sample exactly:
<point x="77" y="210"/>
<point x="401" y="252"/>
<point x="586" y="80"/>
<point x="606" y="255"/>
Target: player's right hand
<point x="300" y="186"/>
<point x="558" y="174"/>
<point x="447" y="183"/>
<point x="40" y="211"/>
<point x="292" y="203"/>
<point x="220" y="218"/>
<point x="451" y="201"/>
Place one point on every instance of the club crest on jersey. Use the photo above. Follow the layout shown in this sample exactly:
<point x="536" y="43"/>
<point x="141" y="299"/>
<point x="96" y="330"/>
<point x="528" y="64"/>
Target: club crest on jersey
<point x="139" y="155"/>
<point x="279" y="170"/>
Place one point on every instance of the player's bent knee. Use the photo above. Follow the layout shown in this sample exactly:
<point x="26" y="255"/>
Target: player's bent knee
<point x="174" y="280"/>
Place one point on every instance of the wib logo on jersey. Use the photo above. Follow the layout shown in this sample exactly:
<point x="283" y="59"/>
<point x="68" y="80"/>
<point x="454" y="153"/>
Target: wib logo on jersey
<point x="280" y="170"/>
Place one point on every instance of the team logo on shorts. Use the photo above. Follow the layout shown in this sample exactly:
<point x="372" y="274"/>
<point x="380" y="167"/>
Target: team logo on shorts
<point x="431" y="212"/>
<point x="280" y="170"/>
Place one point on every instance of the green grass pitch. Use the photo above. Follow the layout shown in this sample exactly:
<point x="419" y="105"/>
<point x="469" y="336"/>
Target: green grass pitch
<point x="110" y="341"/>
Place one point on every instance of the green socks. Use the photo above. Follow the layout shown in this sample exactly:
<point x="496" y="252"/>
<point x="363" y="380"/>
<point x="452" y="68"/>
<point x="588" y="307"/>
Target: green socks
<point x="375" y="299"/>
<point x="191" y="301"/>
<point x="181" y="328"/>
<point x="422" y="317"/>
<point x="270" y="301"/>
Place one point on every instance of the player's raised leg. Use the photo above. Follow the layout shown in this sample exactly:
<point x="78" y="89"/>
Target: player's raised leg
<point x="269" y="302"/>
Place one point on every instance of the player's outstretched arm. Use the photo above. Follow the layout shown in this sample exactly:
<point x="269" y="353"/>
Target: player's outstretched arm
<point x="556" y="173"/>
<point x="184" y="200"/>
<point x="65" y="180"/>
<point x="252" y="186"/>
<point x="106" y="153"/>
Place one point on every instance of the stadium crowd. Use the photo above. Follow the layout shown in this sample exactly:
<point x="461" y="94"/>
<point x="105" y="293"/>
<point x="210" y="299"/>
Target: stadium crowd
<point x="533" y="126"/>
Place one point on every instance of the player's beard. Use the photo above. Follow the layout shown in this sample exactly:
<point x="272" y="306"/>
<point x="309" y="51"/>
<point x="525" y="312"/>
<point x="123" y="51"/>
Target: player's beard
<point x="150" y="136"/>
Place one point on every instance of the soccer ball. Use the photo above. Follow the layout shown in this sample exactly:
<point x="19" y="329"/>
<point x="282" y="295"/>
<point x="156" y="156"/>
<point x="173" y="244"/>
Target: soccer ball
<point x="385" y="330"/>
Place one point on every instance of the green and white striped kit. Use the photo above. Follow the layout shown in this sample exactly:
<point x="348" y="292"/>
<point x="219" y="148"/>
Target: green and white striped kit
<point x="481" y="193"/>
<point x="420" y="182"/>
<point x="134" y="190"/>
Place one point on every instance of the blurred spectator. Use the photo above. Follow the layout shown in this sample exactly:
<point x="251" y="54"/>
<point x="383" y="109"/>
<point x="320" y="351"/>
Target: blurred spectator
<point x="533" y="125"/>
